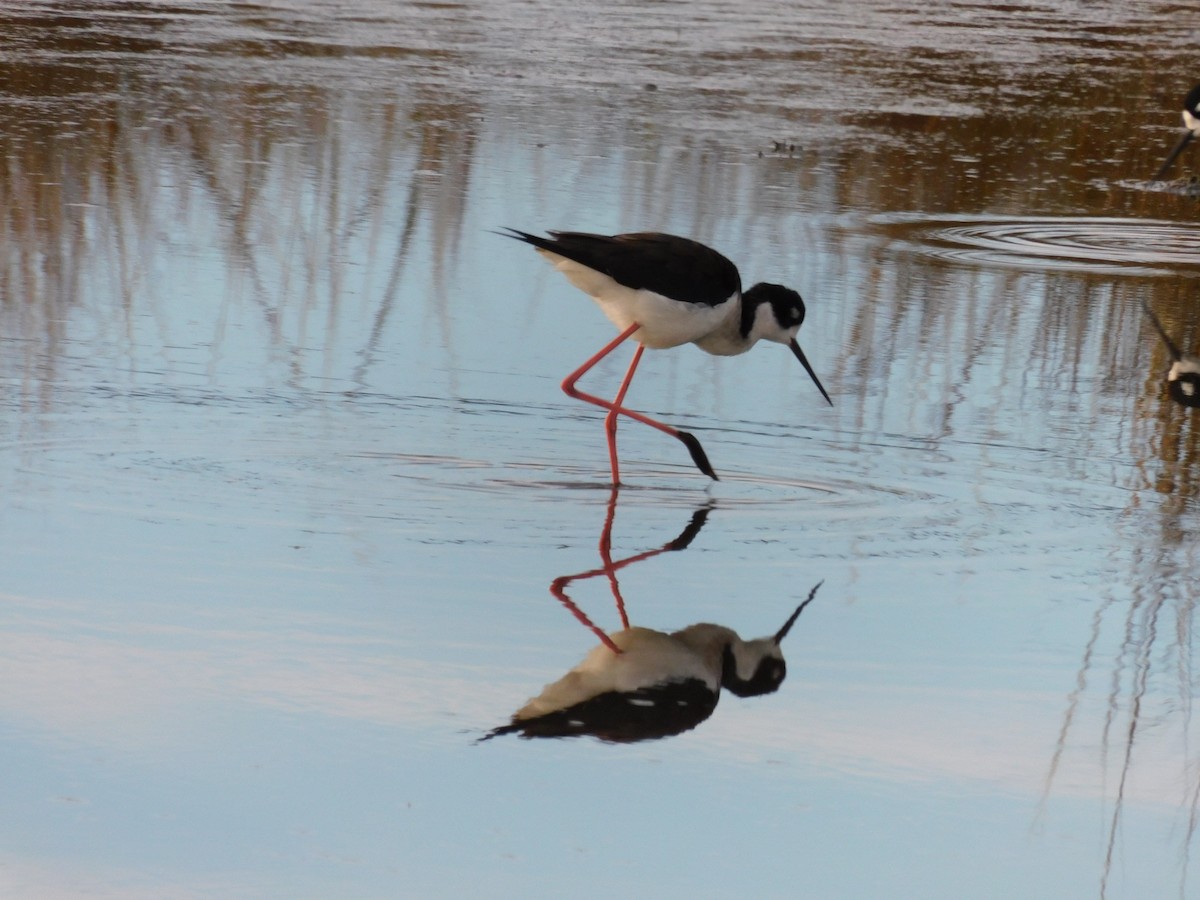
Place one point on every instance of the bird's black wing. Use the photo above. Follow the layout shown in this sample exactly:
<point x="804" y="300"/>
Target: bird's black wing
<point x="650" y="713"/>
<point x="676" y="267"/>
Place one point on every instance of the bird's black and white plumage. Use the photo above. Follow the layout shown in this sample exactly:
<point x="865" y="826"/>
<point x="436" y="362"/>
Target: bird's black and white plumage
<point x="1183" y="378"/>
<point x="1191" y="124"/>
<point x="659" y="683"/>
<point x="664" y="290"/>
<point x="677" y="290"/>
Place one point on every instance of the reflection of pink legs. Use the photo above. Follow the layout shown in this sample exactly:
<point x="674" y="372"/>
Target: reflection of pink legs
<point x="615" y="408"/>
<point x="558" y="589"/>
<point x="609" y="569"/>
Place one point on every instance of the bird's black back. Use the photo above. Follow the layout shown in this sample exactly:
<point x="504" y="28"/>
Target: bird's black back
<point x="675" y="267"/>
<point x="659" y="711"/>
<point x="1192" y="101"/>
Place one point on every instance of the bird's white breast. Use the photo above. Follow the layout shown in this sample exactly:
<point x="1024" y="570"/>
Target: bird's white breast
<point x="1187" y="365"/>
<point x="663" y="322"/>
<point x="648" y="657"/>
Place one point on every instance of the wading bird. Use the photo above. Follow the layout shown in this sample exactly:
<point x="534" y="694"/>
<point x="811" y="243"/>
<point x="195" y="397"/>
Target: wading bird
<point x="664" y="291"/>
<point x="1191" y="124"/>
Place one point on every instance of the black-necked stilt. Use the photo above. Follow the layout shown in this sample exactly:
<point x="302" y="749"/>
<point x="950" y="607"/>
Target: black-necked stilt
<point x="1191" y="122"/>
<point x="1183" y="378"/>
<point x="670" y="291"/>
<point x="643" y="684"/>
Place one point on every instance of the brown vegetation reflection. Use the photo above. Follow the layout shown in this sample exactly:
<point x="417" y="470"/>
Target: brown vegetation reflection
<point x="1142" y="699"/>
<point x="119" y="132"/>
<point x="117" y="155"/>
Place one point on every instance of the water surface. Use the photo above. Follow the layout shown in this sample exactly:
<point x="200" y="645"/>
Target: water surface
<point x="288" y="476"/>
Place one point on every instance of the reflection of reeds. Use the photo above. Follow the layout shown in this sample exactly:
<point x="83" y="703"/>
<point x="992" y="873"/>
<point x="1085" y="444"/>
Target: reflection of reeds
<point x="1028" y="360"/>
<point x="290" y="187"/>
<point x="43" y="231"/>
<point x="1134" y="713"/>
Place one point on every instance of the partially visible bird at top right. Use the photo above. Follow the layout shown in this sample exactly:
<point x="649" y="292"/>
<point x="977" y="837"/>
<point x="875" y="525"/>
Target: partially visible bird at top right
<point x="1191" y="124"/>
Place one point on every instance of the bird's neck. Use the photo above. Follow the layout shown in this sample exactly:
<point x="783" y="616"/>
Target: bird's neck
<point x="747" y="323"/>
<point x="708" y="641"/>
<point x="1186" y="364"/>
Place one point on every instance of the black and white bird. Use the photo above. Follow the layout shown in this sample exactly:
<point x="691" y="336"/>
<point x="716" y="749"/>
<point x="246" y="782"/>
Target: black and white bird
<point x="1191" y="124"/>
<point x="1183" y="378"/>
<point x="664" y="291"/>
<point x="643" y="684"/>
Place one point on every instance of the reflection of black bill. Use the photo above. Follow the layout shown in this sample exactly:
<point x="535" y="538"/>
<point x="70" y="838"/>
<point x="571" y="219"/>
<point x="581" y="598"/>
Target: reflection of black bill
<point x="809" y="369"/>
<point x="787" y="626"/>
<point x="1183" y="142"/>
<point x="1162" y="332"/>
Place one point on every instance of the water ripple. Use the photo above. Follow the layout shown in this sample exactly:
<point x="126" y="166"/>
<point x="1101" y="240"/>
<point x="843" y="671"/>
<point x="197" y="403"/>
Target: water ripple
<point x="1142" y="246"/>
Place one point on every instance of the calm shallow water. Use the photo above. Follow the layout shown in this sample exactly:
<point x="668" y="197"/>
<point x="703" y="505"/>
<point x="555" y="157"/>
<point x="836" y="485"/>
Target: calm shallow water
<point x="287" y="473"/>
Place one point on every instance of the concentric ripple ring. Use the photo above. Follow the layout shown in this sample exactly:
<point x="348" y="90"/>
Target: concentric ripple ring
<point x="1094" y="244"/>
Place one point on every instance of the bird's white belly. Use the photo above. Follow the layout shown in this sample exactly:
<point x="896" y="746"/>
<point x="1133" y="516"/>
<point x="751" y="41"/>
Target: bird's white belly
<point x="1187" y="365"/>
<point x="648" y="658"/>
<point x="663" y="322"/>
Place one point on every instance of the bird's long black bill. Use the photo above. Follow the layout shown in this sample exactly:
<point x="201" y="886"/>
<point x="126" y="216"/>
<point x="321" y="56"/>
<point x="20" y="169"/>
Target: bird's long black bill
<point x="1183" y="142"/>
<point x="787" y="626"/>
<point x="809" y="369"/>
<point x="1162" y="332"/>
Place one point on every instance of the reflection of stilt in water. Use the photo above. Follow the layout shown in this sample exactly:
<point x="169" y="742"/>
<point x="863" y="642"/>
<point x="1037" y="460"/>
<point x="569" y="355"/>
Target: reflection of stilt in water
<point x="1183" y="378"/>
<point x="641" y="684"/>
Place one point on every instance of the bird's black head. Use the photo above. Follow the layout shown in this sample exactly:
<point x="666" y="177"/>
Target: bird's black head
<point x="1185" y="389"/>
<point x="766" y="677"/>
<point x="1192" y="102"/>
<point x="752" y="668"/>
<point x="786" y="315"/>
<point x="786" y="305"/>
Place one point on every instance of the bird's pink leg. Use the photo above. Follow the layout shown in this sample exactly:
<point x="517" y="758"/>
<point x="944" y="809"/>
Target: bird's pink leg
<point x="615" y="408"/>
<point x="610" y="421"/>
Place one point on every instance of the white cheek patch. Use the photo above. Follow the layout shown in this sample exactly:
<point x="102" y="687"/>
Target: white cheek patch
<point x="1189" y="389"/>
<point x="1190" y="122"/>
<point x="1185" y="365"/>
